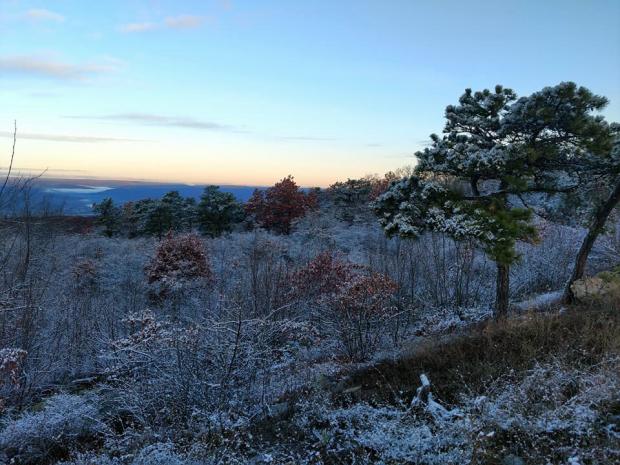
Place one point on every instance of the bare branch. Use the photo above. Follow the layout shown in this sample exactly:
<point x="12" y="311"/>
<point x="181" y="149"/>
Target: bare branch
<point x="8" y="174"/>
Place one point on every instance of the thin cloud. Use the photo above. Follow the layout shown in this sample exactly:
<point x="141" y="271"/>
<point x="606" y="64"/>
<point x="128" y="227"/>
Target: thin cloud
<point x="17" y="169"/>
<point x="187" y="122"/>
<point x="161" y="120"/>
<point x="184" y="22"/>
<point x="307" y="138"/>
<point x="64" y="138"/>
<point x="180" y="22"/>
<point x="41" y="14"/>
<point x="138" y="27"/>
<point x="44" y="67"/>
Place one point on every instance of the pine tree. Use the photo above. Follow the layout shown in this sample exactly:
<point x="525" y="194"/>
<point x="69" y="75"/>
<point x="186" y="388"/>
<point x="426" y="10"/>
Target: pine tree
<point x="109" y="216"/>
<point x="218" y="211"/>
<point x="174" y="210"/>
<point x="496" y="150"/>
<point x="604" y="173"/>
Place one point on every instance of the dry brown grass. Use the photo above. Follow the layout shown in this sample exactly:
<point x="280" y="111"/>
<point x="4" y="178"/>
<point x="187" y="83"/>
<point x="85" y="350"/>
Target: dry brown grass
<point x="582" y="335"/>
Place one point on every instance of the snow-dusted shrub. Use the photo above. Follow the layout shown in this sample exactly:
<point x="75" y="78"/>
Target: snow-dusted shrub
<point x="65" y="420"/>
<point x="355" y="301"/>
<point x="10" y="365"/>
<point x="552" y="398"/>
<point x="167" y="373"/>
<point x="85" y="274"/>
<point x="433" y="271"/>
<point x="545" y="266"/>
<point x="92" y="459"/>
<point x="160" y="369"/>
<point x="362" y="308"/>
<point x="178" y="259"/>
<point x="161" y="454"/>
<point x="385" y="434"/>
<point x="323" y="276"/>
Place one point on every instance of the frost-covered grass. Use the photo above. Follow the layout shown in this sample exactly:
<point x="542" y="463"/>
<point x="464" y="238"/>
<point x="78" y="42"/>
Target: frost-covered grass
<point x="544" y="415"/>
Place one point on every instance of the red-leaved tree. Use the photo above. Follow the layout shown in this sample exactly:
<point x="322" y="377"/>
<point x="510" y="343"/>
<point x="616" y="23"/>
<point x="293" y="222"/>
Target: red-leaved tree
<point x="278" y="206"/>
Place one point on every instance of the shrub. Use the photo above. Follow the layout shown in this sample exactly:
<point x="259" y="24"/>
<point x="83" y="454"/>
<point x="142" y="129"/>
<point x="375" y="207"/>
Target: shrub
<point x="356" y="303"/>
<point x="11" y="363"/>
<point x="39" y="437"/>
<point x="178" y="259"/>
<point x="160" y="454"/>
<point x="323" y="275"/>
<point x="362" y="309"/>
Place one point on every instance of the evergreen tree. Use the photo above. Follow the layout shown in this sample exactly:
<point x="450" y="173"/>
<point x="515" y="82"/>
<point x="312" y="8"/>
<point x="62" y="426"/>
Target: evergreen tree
<point x="174" y="210"/>
<point x="495" y="151"/>
<point x="218" y="211"/>
<point x="603" y="173"/>
<point x="350" y="197"/>
<point x="190" y="213"/>
<point x="156" y="218"/>
<point x="108" y="216"/>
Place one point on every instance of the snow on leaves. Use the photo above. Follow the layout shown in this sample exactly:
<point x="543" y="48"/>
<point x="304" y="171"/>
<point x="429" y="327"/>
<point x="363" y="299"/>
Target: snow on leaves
<point x="178" y="259"/>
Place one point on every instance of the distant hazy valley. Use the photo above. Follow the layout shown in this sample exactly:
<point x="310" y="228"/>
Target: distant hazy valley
<point x="76" y="196"/>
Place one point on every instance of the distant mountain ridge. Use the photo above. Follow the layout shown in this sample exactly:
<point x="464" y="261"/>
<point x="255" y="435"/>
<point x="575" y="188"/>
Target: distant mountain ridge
<point x="76" y="196"/>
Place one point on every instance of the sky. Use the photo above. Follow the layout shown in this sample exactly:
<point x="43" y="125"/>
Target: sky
<point x="247" y="92"/>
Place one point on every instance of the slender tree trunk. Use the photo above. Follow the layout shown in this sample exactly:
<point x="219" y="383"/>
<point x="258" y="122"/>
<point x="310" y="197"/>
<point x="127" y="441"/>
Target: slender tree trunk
<point x="596" y="226"/>
<point x="502" y="287"/>
<point x="502" y="290"/>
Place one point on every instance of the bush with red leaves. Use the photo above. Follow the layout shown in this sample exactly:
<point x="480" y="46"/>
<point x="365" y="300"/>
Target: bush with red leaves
<point x="358" y="302"/>
<point x="178" y="259"/>
<point x="323" y="276"/>
<point x="362" y="309"/>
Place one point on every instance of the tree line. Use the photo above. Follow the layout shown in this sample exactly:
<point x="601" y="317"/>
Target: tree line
<point x="216" y="212"/>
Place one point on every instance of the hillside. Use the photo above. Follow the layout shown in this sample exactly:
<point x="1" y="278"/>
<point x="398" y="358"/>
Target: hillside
<point x="254" y="359"/>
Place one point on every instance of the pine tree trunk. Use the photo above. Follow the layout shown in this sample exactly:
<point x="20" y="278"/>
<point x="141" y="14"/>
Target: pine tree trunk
<point x="596" y="226"/>
<point x="502" y="290"/>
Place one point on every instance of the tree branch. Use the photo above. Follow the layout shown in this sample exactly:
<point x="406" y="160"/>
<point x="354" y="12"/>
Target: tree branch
<point x="8" y="173"/>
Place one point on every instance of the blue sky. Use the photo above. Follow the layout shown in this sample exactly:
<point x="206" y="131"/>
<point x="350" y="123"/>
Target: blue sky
<point x="246" y="92"/>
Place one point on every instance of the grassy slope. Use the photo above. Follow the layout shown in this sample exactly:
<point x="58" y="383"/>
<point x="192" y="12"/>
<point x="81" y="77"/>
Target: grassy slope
<point x="478" y="361"/>
<point x="582" y="335"/>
